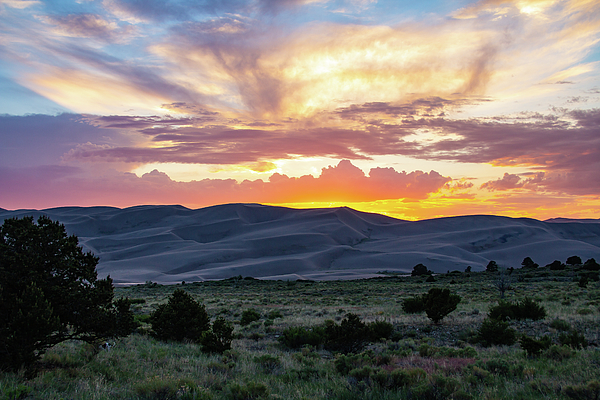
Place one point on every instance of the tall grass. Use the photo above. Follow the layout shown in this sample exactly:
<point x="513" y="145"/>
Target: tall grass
<point x="258" y="366"/>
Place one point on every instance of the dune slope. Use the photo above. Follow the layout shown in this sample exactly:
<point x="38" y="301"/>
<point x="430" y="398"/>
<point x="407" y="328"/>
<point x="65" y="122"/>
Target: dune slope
<point x="169" y="244"/>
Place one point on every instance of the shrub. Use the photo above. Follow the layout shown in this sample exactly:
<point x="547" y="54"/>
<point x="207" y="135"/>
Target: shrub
<point x="413" y="305"/>
<point x="268" y="363"/>
<point x="350" y="336"/>
<point x="591" y="265"/>
<point x="559" y="353"/>
<point x="125" y="322"/>
<point x="249" y="316"/>
<point x="574" y="260"/>
<point x="583" y="281"/>
<point x="560" y="325"/>
<point x="527" y="309"/>
<point x="380" y="330"/>
<point x="492" y="266"/>
<point x="181" y="318"/>
<point x="528" y="263"/>
<point x="218" y="338"/>
<point x="495" y="332"/>
<point x="590" y="391"/>
<point x="556" y="266"/>
<point x="430" y="279"/>
<point x="534" y="347"/>
<point x="439" y="302"/>
<point x="419" y="270"/>
<point x="573" y="339"/>
<point x="298" y="336"/>
<point x="49" y="291"/>
<point x="249" y="391"/>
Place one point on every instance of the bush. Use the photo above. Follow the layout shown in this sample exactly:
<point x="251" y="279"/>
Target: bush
<point x="249" y="391"/>
<point x="534" y="347"/>
<point x="182" y="318"/>
<point x="528" y="263"/>
<point x="125" y="322"/>
<point x="559" y="353"/>
<point x="380" y="330"/>
<point x="439" y="302"/>
<point x="591" y="265"/>
<point x="492" y="266"/>
<point x="49" y="292"/>
<point x="249" y="316"/>
<point x="413" y="305"/>
<point x="218" y="338"/>
<point x="573" y="339"/>
<point x="495" y="332"/>
<point x="298" y="336"/>
<point x="574" y="260"/>
<point x="419" y="270"/>
<point x="560" y="325"/>
<point x="556" y="266"/>
<point x="347" y="337"/>
<point x="527" y="309"/>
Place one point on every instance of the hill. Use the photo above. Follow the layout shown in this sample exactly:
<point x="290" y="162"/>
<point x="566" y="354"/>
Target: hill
<point x="169" y="244"/>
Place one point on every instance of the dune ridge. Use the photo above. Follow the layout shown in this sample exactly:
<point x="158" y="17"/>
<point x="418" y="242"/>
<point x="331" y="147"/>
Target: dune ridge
<point x="170" y="244"/>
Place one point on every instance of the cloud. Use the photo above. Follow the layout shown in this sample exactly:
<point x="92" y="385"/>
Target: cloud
<point x="508" y="181"/>
<point x="88" y="26"/>
<point x="60" y="185"/>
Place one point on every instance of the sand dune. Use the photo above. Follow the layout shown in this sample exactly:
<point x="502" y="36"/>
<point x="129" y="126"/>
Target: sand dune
<point x="168" y="244"/>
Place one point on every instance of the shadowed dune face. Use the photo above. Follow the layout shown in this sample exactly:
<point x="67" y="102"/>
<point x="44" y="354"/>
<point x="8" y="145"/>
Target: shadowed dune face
<point x="168" y="244"/>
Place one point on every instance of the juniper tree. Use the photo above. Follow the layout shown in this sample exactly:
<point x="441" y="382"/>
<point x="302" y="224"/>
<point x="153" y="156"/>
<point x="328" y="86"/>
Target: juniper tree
<point x="49" y="291"/>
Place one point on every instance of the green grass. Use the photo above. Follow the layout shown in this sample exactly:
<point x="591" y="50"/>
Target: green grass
<point x="423" y="361"/>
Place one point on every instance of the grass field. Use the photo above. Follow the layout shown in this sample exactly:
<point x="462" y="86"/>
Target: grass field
<point x="421" y="360"/>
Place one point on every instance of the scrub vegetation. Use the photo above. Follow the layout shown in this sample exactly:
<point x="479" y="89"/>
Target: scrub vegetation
<point x="458" y="336"/>
<point x="341" y="340"/>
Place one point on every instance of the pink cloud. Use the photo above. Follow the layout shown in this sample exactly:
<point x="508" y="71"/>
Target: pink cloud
<point x="54" y="186"/>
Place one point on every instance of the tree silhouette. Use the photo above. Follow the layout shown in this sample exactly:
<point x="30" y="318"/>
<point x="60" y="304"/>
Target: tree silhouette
<point x="49" y="291"/>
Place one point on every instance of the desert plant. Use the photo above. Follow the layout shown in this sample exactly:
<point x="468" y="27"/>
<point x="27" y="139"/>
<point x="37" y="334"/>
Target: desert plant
<point x="413" y="305"/>
<point x="526" y="309"/>
<point x="181" y="318"/>
<point x="249" y="391"/>
<point x="380" y="330"/>
<point x="439" y="302"/>
<point x="573" y="339"/>
<point x="492" y="266"/>
<point x="495" y="332"/>
<point x="503" y="283"/>
<point x="560" y="324"/>
<point x="574" y="260"/>
<point x="528" y="263"/>
<point x="125" y="322"/>
<point x="534" y="347"/>
<point x="591" y="265"/>
<point x="249" y="316"/>
<point x="218" y="338"/>
<point x="419" y="270"/>
<point x="298" y="336"/>
<point x="49" y="291"/>
<point x="556" y="266"/>
<point x="349" y="336"/>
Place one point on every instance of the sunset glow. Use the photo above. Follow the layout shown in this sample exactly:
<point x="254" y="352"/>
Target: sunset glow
<point x="409" y="110"/>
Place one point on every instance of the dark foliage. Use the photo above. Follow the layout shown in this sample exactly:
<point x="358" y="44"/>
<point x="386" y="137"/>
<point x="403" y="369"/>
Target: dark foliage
<point x="534" y="347"/>
<point x="439" y="302"/>
<point x="181" y="318"/>
<point x="298" y="336"/>
<point x="249" y="316"/>
<point x="528" y="263"/>
<point x="218" y="338"/>
<point x="348" y="337"/>
<point x="526" y="309"/>
<point x="556" y="266"/>
<point x="591" y="265"/>
<point x="125" y="322"/>
<point x="573" y="339"/>
<point x="430" y="279"/>
<point x="49" y="291"/>
<point x="574" y="260"/>
<point x="492" y="266"/>
<point x="495" y="332"/>
<point x="413" y="305"/>
<point x="419" y="270"/>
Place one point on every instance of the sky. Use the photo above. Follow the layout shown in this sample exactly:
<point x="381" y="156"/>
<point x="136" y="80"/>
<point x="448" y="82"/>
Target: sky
<point x="413" y="109"/>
